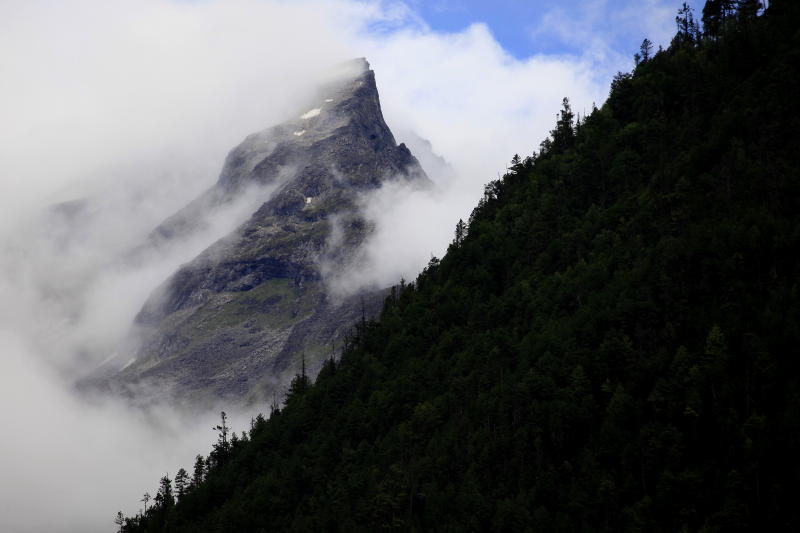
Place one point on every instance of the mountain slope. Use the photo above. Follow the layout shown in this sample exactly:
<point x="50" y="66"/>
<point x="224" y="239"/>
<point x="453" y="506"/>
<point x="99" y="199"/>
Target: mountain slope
<point x="611" y="347"/>
<point x="233" y="321"/>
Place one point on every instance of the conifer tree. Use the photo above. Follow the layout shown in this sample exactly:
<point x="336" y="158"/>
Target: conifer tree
<point x="301" y="382"/>
<point x="181" y="482"/>
<point x="222" y="446"/>
<point x="274" y="406"/>
<point x="645" y="50"/>
<point x="145" y="499"/>
<point x="564" y="134"/>
<point x="461" y="232"/>
<point x="687" y="27"/>
<point x="164" y="498"/>
<point x="199" y="471"/>
<point x="712" y="18"/>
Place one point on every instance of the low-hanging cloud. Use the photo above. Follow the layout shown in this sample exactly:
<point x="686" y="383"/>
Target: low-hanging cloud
<point x="69" y="464"/>
<point x="476" y="106"/>
<point x="129" y="108"/>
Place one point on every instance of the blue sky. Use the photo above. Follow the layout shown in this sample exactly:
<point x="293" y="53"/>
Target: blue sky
<point x="528" y="27"/>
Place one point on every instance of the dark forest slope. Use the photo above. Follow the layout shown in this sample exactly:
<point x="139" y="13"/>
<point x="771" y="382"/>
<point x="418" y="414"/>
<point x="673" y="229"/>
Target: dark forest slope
<point x="611" y="344"/>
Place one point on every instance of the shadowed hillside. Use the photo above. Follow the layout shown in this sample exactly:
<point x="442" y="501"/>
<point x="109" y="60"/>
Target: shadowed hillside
<point x="610" y="343"/>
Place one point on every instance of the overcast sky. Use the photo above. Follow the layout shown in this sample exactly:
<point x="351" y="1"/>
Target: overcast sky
<point x="135" y="104"/>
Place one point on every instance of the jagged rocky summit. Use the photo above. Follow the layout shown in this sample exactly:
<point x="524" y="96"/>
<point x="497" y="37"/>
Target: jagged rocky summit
<point x="234" y="322"/>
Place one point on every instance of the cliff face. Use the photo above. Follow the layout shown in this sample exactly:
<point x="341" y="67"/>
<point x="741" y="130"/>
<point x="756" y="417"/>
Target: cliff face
<point x="235" y="321"/>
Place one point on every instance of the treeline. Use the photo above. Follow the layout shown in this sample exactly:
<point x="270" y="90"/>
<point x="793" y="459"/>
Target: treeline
<point x="610" y="343"/>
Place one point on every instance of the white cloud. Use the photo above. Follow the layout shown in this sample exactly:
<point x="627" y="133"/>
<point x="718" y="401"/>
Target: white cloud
<point x="68" y="465"/>
<point x="478" y="106"/>
<point x="605" y="31"/>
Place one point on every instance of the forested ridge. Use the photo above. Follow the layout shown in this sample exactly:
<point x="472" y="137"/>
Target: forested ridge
<point x="609" y="344"/>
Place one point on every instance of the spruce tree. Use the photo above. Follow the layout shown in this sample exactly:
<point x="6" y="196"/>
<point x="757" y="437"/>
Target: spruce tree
<point x="181" y="482"/>
<point x="199" y="471"/>
<point x="564" y="133"/>
<point x="164" y="497"/>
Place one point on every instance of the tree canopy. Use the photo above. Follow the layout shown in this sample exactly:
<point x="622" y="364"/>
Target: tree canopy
<point x="609" y="344"/>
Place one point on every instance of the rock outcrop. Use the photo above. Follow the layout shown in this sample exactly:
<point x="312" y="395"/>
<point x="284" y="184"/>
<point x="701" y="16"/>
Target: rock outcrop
<point x="235" y="322"/>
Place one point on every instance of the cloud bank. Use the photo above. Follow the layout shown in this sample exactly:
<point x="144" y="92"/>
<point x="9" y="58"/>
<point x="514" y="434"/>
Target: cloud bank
<point x="132" y="106"/>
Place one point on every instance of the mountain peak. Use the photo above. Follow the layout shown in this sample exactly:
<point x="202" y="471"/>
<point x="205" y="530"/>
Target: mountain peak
<point x="340" y="128"/>
<point x="359" y="63"/>
<point x="260" y="295"/>
<point x="344" y="114"/>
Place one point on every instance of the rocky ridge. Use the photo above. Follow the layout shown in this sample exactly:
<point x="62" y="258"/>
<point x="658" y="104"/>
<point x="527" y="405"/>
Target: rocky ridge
<point x="235" y="321"/>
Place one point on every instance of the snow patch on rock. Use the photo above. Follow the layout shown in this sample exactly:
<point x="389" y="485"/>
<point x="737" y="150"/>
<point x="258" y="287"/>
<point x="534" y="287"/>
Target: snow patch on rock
<point x="311" y="114"/>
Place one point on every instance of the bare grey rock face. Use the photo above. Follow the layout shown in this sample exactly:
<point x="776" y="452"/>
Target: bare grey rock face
<point x="234" y="322"/>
